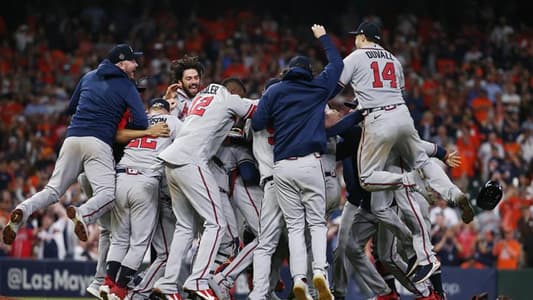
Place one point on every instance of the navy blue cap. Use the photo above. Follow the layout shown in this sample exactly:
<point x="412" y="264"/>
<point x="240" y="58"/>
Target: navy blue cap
<point x="301" y="61"/>
<point x="122" y="52"/>
<point x="161" y="103"/>
<point x="369" y="29"/>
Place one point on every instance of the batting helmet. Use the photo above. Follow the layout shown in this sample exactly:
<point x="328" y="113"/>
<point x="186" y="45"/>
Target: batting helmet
<point x="490" y="195"/>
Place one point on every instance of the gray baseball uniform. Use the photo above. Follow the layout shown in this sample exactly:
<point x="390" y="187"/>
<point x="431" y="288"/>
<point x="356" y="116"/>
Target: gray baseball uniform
<point x="333" y="187"/>
<point x="377" y="79"/>
<point x="104" y="239"/>
<point x="271" y="222"/>
<point x="247" y="199"/>
<point x="134" y="215"/>
<point x="78" y="154"/>
<point x="182" y="108"/>
<point x="221" y="165"/>
<point x="193" y="189"/>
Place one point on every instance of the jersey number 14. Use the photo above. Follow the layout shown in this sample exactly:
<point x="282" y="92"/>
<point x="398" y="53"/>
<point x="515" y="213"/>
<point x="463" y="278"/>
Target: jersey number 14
<point x="388" y="73"/>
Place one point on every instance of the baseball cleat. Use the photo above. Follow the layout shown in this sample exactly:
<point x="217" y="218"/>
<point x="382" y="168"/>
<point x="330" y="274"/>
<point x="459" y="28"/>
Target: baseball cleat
<point x="425" y="271"/>
<point x="105" y="289"/>
<point x="80" y="229"/>
<point x="390" y="296"/>
<point x="10" y="231"/>
<point x="467" y="212"/>
<point x="321" y="284"/>
<point x="207" y="294"/>
<point x="93" y="290"/>
<point x="216" y="283"/>
<point x="118" y="293"/>
<point x="300" y="290"/>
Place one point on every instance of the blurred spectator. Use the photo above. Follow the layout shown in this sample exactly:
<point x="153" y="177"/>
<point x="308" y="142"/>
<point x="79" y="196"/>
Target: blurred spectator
<point x="449" y="216"/>
<point x="22" y="247"/>
<point x="477" y="99"/>
<point x="507" y="251"/>
<point x="525" y="229"/>
<point x="466" y="237"/>
<point x="48" y="245"/>
<point x="484" y="249"/>
<point x="445" y="243"/>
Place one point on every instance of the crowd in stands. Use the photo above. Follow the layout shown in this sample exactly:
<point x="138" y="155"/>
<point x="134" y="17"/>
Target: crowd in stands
<point x="469" y="90"/>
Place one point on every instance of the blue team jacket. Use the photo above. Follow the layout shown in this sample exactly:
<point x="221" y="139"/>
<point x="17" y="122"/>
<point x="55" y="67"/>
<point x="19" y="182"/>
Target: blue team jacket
<point x="294" y="107"/>
<point x="99" y="102"/>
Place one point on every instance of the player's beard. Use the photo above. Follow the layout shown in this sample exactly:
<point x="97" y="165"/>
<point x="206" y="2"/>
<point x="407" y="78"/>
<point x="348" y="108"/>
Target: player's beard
<point x="189" y="93"/>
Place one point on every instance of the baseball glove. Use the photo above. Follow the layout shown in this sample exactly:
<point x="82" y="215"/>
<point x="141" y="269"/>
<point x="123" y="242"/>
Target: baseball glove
<point x="490" y="195"/>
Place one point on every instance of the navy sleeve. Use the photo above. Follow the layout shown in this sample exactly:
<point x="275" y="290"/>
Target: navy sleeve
<point x="139" y="119"/>
<point x="332" y="72"/>
<point x="441" y="153"/>
<point x="75" y="98"/>
<point x="348" y="121"/>
<point x="261" y="116"/>
<point x="337" y="90"/>
<point x="249" y="173"/>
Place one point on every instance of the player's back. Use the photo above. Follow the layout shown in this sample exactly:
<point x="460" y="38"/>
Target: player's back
<point x="211" y="116"/>
<point x="141" y="153"/>
<point x="375" y="75"/>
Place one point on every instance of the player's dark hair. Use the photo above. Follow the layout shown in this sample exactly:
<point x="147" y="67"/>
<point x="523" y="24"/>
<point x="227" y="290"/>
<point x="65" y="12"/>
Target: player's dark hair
<point x="235" y="80"/>
<point x="187" y="62"/>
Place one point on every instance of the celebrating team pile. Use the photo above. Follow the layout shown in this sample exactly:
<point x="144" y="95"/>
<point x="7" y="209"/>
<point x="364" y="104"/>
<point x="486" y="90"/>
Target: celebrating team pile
<point x="244" y="184"/>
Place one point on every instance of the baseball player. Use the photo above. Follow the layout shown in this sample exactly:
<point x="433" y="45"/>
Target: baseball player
<point x="246" y="198"/>
<point x="377" y="79"/>
<point x="193" y="188"/>
<point x="188" y="72"/>
<point x="97" y="105"/>
<point x="368" y="222"/>
<point x="104" y="222"/>
<point x="271" y="218"/>
<point x="138" y="175"/>
<point x="295" y="107"/>
<point x="161" y="241"/>
<point x="221" y="165"/>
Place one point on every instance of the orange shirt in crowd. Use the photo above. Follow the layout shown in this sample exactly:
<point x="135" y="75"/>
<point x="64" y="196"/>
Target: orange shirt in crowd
<point x="508" y="254"/>
<point x="468" y="153"/>
<point x="511" y="211"/>
<point x="481" y="107"/>
<point x="472" y="265"/>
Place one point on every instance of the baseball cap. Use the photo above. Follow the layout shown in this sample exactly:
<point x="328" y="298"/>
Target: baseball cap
<point x="301" y="61"/>
<point x="369" y="29"/>
<point x="122" y="52"/>
<point x="160" y="103"/>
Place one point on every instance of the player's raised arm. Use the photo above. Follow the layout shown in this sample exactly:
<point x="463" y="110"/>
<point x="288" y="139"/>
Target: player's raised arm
<point x="333" y="69"/>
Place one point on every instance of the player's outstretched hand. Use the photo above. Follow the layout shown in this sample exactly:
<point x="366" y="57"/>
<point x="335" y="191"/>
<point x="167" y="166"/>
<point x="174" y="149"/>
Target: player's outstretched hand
<point x="454" y="159"/>
<point x="159" y="129"/>
<point x="318" y="30"/>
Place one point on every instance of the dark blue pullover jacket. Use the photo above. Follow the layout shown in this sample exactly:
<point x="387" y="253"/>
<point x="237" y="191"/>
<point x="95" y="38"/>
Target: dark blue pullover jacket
<point x="99" y="102"/>
<point x="295" y="107"/>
